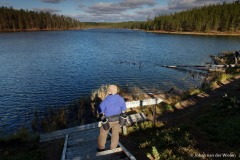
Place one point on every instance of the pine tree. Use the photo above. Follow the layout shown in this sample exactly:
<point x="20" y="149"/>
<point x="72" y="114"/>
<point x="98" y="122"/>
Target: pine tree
<point x="12" y="20"/>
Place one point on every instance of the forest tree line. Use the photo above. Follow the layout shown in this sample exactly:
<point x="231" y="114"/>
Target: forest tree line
<point x="18" y="20"/>
<point x="223" y="17"/>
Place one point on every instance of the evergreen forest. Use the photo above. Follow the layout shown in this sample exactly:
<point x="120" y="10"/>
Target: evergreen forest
<point x="19" y="20"/>
<point x="223" y="17"/>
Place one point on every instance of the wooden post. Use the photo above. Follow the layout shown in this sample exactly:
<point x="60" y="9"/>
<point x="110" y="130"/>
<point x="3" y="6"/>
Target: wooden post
<point x="154" y="113"/>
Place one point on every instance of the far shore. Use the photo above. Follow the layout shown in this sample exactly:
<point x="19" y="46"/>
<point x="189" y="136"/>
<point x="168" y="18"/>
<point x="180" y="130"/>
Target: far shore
<point x="197" y="33"/>
<point x="213" y="33"/>
<point x="36" y="29"/>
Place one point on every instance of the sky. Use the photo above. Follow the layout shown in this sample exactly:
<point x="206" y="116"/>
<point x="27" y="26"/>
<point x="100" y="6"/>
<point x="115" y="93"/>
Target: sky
<point x="109" y="10"/>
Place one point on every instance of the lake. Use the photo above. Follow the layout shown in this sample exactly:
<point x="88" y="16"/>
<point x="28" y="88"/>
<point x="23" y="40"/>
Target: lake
<point x="54" y="68"/>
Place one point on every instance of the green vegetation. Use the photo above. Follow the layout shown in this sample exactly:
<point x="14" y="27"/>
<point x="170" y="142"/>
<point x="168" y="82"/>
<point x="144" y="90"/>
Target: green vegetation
<point x="221" y="122"/>
<point x="24" y="145"/>
<point x="19" y="20"/>
<point x="21" y="145"/>
<point x="213" y="130"/>
<point x="213" y="18"/>
<point x="160" y="142"/>
<point x="220" y="17"/>
<point x="77" y="113"/>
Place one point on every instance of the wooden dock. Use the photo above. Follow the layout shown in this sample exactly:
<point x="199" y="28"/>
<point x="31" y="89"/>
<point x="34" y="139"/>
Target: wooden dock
<point x="81" y="142"/>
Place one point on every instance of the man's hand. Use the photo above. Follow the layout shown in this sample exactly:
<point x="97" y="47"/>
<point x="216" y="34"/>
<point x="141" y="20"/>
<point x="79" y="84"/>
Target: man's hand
<point x="101" y="115"/>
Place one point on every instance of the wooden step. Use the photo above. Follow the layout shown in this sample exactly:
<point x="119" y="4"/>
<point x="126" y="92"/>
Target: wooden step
<point x="92" y="130"/>
<point x="82" y="140"/>
<point x="62" y="133"/>
<point x="88" y="146"/>
<point x="83" y="136"/>
<point x="108" y="154"/>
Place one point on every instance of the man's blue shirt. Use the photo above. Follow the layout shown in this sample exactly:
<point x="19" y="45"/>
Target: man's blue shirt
<point x="112" y="105"/>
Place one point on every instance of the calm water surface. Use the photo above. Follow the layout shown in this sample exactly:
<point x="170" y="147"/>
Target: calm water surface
<point x="42" y="69"/>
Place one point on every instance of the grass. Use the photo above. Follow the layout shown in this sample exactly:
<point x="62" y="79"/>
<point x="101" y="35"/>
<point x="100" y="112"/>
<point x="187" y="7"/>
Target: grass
<point x="21" y="145"/>
<point x="79" y="112"/>
<point x="222" y="122"/>
<point x="215" y="130"/>
<point x="25" y="146"/>
<point x="191" y="92"/>
<point x="219" y="79"/>
<point x="160" y="142"/>
<point x="212" y="130"/>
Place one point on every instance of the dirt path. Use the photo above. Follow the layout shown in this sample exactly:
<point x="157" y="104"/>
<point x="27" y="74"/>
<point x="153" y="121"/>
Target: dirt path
<point x="191" y="107"/>
<point x="187" y="111"/>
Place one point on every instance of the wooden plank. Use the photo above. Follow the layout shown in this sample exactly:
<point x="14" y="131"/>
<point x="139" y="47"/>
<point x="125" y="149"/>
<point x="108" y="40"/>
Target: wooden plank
<point x="61" y="133"/>
<point x="91" y="145"/>
<point x="116" y="156"/>
<point x="83" y="153"/>
<point x="107" y="152"/>
<point x="145" y="102"/>
<point x="108" y="157"/>
<point x="137" y="115"/>
<point x="65" y="148"/>
<point x="93" y="153"/>
<point x="125" y="150"/>
<point x="86" y="137"/>
<point x="82" y="140"/>
<point x="56" y="137"/>
<point x="134" y="118"/>
<point x="82" y="134"/>
<point x="80" y="145"/>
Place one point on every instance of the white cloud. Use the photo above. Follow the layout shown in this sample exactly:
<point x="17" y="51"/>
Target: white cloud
<point x="117" y="8"/>
<point x="152" y="12"/>
<point x="186" y="4"/>
<point x="7" y="4"/>
<point x="81" y="6"/>
<point x="123" y="17"/>
<point x="105" y="8"/>
<point x="137" y="3"/>
<point x="52" y="1"/>
<point x="136" y="10"/>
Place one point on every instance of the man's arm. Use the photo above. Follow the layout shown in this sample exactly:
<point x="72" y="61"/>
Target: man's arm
<point x="123" y="106"/>
<point x="102" y="107"/>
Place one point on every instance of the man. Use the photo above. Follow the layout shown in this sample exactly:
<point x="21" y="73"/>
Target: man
<point x="111" y="107"/>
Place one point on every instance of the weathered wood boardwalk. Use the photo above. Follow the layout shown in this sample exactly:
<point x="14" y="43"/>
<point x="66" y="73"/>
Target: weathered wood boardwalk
<point x="81" y="142"/>
<point x="83" y="145"/>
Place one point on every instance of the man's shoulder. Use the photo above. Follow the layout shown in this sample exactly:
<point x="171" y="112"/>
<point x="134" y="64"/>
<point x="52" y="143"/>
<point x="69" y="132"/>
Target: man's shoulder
<point x="121" y="98"/>
<point x="116" y="96"/>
